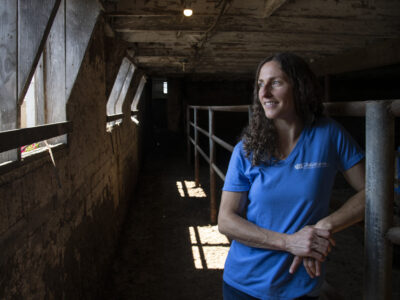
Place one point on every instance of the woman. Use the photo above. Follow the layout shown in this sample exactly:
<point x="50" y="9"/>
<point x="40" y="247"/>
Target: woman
<point x="275" y="199"/>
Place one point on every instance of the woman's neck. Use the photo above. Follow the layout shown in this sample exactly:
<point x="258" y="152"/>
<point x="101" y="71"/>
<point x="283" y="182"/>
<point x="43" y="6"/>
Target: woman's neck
<point x="288" y="135"/>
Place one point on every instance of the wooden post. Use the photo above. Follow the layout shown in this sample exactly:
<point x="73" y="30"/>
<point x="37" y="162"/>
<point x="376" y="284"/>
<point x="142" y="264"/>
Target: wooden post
<point x="213" y="202"/>
<point x="196" y="153"/>
<point x="379" y="201"/>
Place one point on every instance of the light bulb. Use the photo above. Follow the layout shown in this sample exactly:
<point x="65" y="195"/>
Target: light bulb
<point x="187" y="12"/>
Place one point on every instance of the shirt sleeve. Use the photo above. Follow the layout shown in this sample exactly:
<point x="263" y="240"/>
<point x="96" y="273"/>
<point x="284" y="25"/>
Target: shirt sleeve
<point x="348" y="151"/>
<point x="236" y="179"/>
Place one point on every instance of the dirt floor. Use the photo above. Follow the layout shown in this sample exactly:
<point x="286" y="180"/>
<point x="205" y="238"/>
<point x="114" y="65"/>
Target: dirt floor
<point x="169" y="249"/>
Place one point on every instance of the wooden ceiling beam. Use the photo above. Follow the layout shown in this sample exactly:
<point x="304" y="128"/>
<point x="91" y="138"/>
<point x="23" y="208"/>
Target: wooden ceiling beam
<point x="227" y="49"/>
<point x="157" y="60"/>
<point x="274" y="24"/>
<point x="252" y="39"/>
<point x="350" y="9"/>
<point x="200" y="68"/>
<point x="270" y="6"/>
<point x="159" y="36"/>
<point x="218" y="54"/>
<point x="373" y="56"/>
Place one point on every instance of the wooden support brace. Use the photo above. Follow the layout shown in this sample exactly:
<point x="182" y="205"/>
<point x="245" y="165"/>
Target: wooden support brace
<point x="12" y="139"/>
<point x="116" y="117"/>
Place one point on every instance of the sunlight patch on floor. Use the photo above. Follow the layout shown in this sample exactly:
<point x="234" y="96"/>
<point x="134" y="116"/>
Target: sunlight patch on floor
<point x="209" y="247"/>
<point x="188" y="188"/>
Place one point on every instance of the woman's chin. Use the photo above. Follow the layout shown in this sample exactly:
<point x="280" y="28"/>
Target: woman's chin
<point x="270" y="115"/>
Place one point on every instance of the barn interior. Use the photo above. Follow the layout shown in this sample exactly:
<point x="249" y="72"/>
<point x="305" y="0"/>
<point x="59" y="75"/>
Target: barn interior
<point x="98" y="195"/>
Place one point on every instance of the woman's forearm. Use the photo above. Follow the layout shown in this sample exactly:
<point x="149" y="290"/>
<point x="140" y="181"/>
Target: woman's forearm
<point x="309" y="241"/>
<point x="348" y="214"/>
<point x="237" y="228"/>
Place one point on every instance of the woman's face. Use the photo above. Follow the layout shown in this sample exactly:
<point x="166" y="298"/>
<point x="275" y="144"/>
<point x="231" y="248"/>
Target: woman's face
<point x="275" y="92"/>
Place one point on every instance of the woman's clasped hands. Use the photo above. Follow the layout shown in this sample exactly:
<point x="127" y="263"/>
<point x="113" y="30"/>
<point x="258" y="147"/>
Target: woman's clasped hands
<point x="310" y="245"/>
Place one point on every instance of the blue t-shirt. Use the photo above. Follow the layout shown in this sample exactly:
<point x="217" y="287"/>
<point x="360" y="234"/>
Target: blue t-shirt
<point x="284" y="197"/>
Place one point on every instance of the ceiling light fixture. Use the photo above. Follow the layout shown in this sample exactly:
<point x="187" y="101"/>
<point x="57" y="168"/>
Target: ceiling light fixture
<point x="188" y="12"/>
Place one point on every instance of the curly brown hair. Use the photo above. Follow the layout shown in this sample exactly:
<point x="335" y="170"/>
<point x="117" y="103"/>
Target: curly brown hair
<point x="260" y="138"/>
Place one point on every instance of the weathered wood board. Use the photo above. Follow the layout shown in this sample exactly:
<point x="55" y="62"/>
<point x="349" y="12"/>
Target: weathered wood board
<point x="54" y="76"/>
<point x="25" y="136"/>
<point x="35" y="18"/>
<point x="81" y="17"/>
<point x="214" y="40"/>
<point x="8" y="71"/>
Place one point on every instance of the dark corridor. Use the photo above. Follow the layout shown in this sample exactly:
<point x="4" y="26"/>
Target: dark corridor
<point x="164" y="245"/>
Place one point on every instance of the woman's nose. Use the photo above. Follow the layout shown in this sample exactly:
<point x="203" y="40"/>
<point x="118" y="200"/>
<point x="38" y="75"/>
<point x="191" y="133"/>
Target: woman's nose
<point x="267" y="90"/>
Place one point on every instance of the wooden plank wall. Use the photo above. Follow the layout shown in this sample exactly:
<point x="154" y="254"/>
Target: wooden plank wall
<point x="8" y="71"/>
<point x="58" y="29"/>
<point x="35" y="18"/>
<point x="40" y="92"/>
<point x="54" y="76"/>
<point x="81" y="17"/>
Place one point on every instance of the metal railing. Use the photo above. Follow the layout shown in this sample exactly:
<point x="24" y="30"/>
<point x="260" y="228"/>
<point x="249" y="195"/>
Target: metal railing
<point x="380" y="234"/>
<point x="212" y="141"/>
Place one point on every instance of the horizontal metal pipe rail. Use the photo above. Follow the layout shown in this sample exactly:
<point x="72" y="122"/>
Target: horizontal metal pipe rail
<point x="350" y="109"/>
<point x="216" y="139"/>
<point x="207" y="159"/>
<point x="379" y="231"/>
<point x="213" y="139"/>
<point x="233" y="108"/>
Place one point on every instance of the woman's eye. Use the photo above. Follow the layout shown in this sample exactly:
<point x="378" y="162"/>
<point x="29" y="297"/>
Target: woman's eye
<point x="276" y="82"/>
<point x="260" y="84"/>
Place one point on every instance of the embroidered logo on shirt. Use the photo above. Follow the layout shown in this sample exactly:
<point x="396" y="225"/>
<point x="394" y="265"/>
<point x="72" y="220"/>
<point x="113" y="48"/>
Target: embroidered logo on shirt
<point x="311" y="165"/>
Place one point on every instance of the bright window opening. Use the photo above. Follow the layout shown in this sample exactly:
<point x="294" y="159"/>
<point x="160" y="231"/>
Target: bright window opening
<point x="165" y="87"/>
<point x="119" y="91"/>
<point x="29" y="116"/>
<point x="28" y="107"/>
